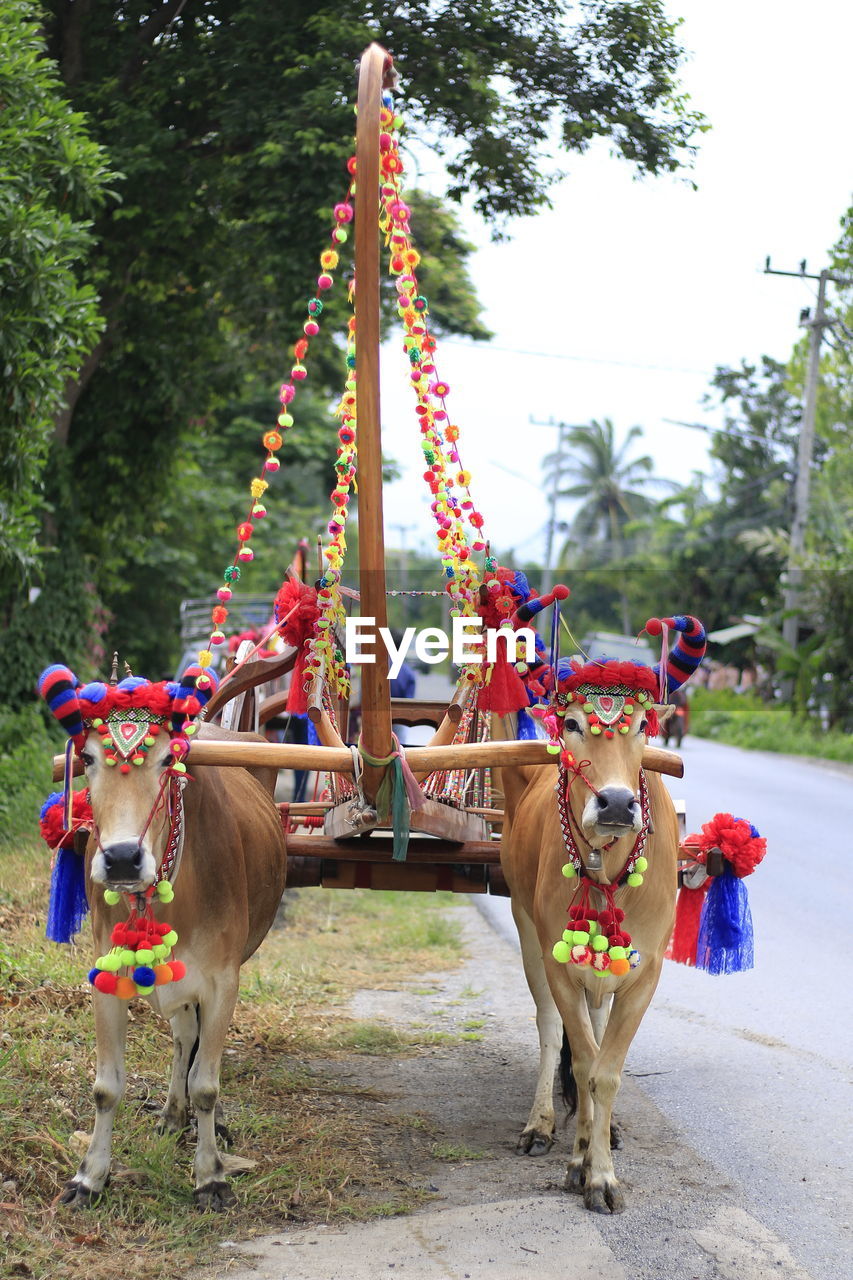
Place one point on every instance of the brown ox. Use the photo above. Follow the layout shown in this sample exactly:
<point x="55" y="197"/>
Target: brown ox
<point x="599" y="1012"/>
<point x="228" y="884"/>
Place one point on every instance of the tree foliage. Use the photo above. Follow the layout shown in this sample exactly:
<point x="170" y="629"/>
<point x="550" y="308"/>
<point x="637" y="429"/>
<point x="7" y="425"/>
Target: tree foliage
<point x="230" y="122"/>
<point x="53" y="179"/>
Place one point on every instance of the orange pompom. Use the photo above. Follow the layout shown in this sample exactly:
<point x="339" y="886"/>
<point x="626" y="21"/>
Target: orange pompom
<point x="619" y="967"/>
<point x="125" y="989"/>
<point x="163" y="974"/>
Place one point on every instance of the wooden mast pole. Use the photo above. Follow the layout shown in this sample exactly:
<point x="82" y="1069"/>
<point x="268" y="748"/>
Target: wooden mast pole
<point x="375" y="692"/>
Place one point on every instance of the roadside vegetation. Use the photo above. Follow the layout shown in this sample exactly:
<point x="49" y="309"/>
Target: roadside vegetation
<point x="744" y="720"/>
<point x="311" y="1136"/>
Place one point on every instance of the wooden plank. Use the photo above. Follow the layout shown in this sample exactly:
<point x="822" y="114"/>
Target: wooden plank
<point x="331" y="874"/>
<point x="468" y="755"/>
<point x="379" y="848"/>
<point x="434" y="818"/>
<point x="375" y="692"/>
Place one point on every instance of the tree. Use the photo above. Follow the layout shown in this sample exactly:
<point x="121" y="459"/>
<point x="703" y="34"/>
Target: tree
<point x="608" y="482"/>
<point x="230" y="122"/>
<point x="54" y="179"/>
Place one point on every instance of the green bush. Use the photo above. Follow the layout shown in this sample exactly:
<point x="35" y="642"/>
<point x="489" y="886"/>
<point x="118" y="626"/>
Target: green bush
<point x="27" y="747"/>
<point x="743" y="720"/>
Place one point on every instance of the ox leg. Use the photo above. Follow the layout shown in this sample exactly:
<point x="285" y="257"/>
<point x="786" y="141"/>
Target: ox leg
<point x="537" y="1137"/>
<point x="111" y="1033"/>
<point x="215" y="1010"/>
<point x="581" y="1051"/>
<point x="602" y="1193"/>
<point x="598" y="1015"/>
<point x="184" y="1026"/>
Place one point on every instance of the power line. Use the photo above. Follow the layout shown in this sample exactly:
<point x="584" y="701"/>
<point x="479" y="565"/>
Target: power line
<point x="560" y="355"/>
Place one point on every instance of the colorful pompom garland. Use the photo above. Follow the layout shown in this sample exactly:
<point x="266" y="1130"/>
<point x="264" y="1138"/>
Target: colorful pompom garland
<point x="142" y="947"/>
<point x="597" y="939"/>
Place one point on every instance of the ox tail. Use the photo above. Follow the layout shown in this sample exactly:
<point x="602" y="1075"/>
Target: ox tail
<point x="568" y="1083"/>
<point x="686" y="654"/>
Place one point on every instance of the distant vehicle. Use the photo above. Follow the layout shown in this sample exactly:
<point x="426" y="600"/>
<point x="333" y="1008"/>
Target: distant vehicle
<point x="609" y="644"/>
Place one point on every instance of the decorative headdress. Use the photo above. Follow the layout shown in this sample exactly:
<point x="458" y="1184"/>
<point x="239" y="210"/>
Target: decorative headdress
<point x="128" y="715"/>
<point x="608" y="689"/>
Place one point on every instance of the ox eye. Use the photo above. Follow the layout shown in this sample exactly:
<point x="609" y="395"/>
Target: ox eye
<point x="88" y="760"/>
<point x="571" y="726"/>
<point x="644" y="724"/>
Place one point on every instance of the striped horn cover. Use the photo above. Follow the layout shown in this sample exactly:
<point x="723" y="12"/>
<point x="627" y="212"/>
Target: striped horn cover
<point x="688" y="652"/>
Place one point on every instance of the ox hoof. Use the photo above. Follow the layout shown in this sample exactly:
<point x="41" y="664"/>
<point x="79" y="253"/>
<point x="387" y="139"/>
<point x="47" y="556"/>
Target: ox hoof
<point x="575" y="1178"/>
<point x="534" y="1143"/>
<point x="215" y="1196"/>
<point x="76" y="1196"/>
<point x="606" y="1199"/>
<point x="615" y="1136"/>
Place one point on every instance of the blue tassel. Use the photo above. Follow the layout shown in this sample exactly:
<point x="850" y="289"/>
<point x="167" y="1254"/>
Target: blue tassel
<point x="526" y="729"/>
<point x="313" y="740"/>
<point x="68" y="905"/>
<point x="725" y="929"/>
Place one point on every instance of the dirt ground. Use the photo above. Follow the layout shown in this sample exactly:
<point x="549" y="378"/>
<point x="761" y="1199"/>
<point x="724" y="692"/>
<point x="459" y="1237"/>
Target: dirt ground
<point x="480" y="1210"/>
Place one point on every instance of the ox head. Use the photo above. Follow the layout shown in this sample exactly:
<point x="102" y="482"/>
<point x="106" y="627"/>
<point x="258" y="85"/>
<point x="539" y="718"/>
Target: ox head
<point x="607" y="712"/>
<point x="130" y="737"/>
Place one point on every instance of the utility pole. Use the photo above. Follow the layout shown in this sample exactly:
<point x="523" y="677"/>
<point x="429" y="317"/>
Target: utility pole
<point x="562" y="427"/>
<point x="816" y="325"/>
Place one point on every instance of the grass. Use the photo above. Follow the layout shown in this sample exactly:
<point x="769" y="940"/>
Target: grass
<point x="743" y="720"/>
<point x="309" y="1134"/>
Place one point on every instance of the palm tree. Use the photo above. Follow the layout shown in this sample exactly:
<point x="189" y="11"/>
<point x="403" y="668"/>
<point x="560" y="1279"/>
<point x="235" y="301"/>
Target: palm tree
<point x="610" y="485"/>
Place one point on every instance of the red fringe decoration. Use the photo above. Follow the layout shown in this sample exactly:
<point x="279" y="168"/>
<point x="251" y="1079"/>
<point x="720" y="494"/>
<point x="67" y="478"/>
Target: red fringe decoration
<point x="297" y="631"/>
<point x="505" y="691"/>
<point x="685" y="934"/>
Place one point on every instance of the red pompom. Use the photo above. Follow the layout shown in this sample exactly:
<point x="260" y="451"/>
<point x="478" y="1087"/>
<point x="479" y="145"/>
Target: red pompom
<point x="654" y="626"/>
<point x="178" y="968"/>
<point x="106" y="983"/>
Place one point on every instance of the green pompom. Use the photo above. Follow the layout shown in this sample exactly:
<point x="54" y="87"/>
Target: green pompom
<point x="587" y="706"/>
<point x="170" y="938"/>
<point x="110" y="963"/>
<point x="165" y="892"/>
<point x="561" y="951"/>
<point x="568" y="870"/>
<point x="144" y="955"/>
<point x="634" y="879"/>
<point x="127" y="957"/>
<point x="599" y="943"/>
<point x="144" y="991"/>
<point x="580" y="938"/>
<point x="553" y="748"/>
<point x="618" y="953"/>
<point x="595" y="729"/>
<point x="594" y="928"/>
<point x="641" y="865"/>
<point x="160" y="952"/>
<point x="568" y="936"/>
<point x="112" y="897"/>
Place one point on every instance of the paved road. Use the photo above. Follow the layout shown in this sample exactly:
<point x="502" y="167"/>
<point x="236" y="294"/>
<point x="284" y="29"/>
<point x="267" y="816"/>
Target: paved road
<point x="735" y="1102"/>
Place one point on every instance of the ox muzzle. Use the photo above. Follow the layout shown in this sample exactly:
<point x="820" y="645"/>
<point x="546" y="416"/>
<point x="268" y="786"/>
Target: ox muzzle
<point x="123" y="865"/>
<point x="613" y="811"/>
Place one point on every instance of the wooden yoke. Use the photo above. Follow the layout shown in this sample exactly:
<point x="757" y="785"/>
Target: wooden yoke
<point x="375" y="692"/>
<point x="423" y="760"/>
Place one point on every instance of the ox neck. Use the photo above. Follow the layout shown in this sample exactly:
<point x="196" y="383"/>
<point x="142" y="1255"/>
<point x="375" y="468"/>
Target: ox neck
<point x="613" y="863"/>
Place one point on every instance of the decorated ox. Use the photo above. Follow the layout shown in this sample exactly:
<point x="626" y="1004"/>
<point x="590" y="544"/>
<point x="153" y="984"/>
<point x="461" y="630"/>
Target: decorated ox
<point x="605" y="848"/>
<point x="217" y="839"/>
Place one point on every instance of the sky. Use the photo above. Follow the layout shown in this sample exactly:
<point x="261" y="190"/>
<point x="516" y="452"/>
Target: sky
<point x="622" y="300"/>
